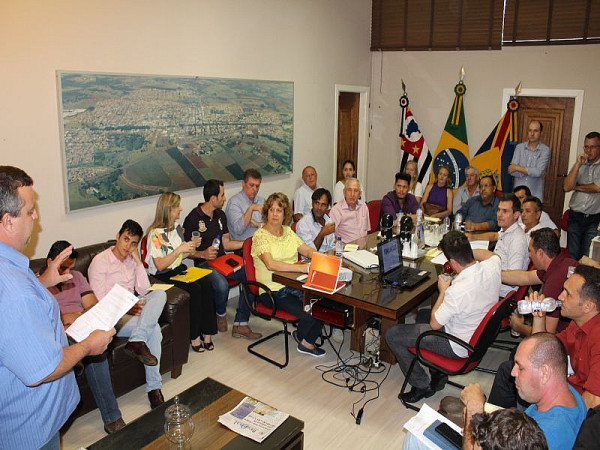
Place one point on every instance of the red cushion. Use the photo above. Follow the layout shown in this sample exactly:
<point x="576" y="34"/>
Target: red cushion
<point x="284" y="315"/>
<point x="450" y="364"/>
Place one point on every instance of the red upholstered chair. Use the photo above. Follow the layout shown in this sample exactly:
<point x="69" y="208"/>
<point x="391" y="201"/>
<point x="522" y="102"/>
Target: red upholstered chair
<point x="374" y="207"/>
<point x="249" y="291"/>
<point x="144" y="251"/>
<point x="482" y="338"/>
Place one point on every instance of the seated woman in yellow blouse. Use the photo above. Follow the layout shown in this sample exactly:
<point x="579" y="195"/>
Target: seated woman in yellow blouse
<point x="275" y="247"/>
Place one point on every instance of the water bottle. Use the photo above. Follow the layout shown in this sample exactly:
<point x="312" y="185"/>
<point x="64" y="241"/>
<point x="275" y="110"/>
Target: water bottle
<point x="420" y="230"/>
<point x="216" y="242"/>
<point x="546" y="305"/>
<point x="458" y="222"/>
<point x="339" y="247"/>
<point x="398" y="220"/>
<point x="446" y="224"/>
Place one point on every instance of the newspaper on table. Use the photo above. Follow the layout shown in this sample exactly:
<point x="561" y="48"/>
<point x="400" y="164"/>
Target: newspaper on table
<point x="103" y="315"/>
<point x="253" y="419"/>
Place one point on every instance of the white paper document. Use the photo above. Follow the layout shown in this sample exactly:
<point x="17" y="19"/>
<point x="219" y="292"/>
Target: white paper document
<point x="253" y="419"/>
<point x="419" y="423"/>
<point x="103" y="315"/>
<point x="481" y="245"/>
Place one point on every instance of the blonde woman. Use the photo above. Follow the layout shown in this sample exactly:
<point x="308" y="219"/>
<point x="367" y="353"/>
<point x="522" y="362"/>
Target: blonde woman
<point x="415" y="187"/>
<point x="166" y="251"/>
<point x="275" y="247"/>
<point x="438" y="196"/>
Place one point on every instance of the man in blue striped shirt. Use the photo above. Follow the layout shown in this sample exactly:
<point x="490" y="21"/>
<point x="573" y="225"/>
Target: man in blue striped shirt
<point x="38" y="391"/>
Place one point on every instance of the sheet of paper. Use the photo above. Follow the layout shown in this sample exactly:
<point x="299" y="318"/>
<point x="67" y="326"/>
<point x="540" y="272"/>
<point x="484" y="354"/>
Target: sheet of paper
<point x="160" y="287"/>
<point x="104" y="314"/>
<point x="481" y="245"/>
<point x="425" y="417"/>
<point x="350" y="247"/>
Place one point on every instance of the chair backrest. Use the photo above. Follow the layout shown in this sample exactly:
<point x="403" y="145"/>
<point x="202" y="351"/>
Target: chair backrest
<point x="144" y="250"/>
<point x="374" y="207"/>
<point x="293" y="226"/>
<point x="249" y="265"/>
<point x="488" y="329"/>
<point x="564" y="223"/>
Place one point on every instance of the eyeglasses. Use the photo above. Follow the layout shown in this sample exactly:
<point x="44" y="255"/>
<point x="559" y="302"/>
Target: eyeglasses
<point x="590" y="147"/>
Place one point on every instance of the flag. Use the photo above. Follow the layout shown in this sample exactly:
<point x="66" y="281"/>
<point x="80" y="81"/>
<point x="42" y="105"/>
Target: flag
<point x="453" y="148"/>
<point x="412" y="142"/>
<point x="495" y="154"/>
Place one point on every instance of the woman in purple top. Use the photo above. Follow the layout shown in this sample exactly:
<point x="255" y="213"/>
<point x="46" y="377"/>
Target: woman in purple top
<point x="438" y="197"/>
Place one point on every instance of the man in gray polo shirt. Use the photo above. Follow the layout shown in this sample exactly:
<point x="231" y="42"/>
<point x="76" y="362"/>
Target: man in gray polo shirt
<point x="244" y="209"/>
<point x="584" y="179"/>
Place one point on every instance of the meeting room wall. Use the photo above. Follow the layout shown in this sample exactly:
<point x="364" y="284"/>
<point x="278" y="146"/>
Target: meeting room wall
<point x="430" y="78"/>
<point x="316" y="44"/>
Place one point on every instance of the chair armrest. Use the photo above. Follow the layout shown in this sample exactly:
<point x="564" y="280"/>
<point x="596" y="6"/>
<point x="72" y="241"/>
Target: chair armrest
<point x="442" y="335"/>
<point x="248" y="296"/>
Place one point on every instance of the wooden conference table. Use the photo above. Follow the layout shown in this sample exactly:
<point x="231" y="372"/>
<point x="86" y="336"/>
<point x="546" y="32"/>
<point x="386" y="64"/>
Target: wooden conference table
<point x="368" y="297"/>
<point x="207" y="400"/>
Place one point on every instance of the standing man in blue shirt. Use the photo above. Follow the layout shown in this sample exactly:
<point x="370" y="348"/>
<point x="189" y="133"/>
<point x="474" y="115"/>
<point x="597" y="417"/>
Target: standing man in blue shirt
<point x="38" y="391"/>
<point x="530" y="161"/>
<point x="584" y="179"/>
<point x="244" y="209"/>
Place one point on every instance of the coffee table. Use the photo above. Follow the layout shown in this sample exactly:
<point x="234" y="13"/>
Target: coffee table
<point x="207" y="400"/>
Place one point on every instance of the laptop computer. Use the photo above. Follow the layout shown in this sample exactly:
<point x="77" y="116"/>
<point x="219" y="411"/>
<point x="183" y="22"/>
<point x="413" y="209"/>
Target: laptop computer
<point x="390" y="265"/>
<point x="324" y="273"/>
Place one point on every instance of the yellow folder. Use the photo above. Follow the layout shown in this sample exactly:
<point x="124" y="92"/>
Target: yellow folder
<point x="192" y="274"/>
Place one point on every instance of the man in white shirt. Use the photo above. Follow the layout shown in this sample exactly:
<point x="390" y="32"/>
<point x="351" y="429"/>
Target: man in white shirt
<point x="470" y="189"/>
<point x="303" y="195"/>
<point x="461" y="305"/>
<point x="512" y="245"/>
<point x="316" y="229"/>
<point x="522" y="192"/>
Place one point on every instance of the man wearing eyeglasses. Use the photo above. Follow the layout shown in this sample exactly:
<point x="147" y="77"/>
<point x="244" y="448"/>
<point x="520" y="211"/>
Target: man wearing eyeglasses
<point x="584" y="180"/>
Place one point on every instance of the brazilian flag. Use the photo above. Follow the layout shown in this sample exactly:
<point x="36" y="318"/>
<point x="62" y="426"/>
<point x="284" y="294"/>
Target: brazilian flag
<point x="453" y="148"/>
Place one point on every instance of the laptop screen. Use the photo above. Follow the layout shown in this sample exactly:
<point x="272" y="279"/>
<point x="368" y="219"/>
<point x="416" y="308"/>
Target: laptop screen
<point x="390" y="255"/>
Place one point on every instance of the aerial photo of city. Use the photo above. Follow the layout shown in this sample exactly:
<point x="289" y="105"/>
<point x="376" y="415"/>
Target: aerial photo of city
<point x="132" y="136"/>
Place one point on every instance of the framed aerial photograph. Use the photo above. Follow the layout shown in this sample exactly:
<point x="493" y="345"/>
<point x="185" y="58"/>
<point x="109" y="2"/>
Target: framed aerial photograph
<point x="132" y="136"/>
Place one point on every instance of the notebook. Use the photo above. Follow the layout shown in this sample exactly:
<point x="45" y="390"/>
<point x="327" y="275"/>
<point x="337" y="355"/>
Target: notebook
<point x="227" y="264"/>
<point x="390" y="265"/>
<point x="362" y="258"/>
<point x="324" y="272"/>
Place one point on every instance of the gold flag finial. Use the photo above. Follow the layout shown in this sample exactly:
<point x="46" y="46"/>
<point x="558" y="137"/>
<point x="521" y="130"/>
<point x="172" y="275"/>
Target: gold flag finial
<point x="518" y="89"/>
<point x="462" y="73"/>
<point x="403" y="86"/>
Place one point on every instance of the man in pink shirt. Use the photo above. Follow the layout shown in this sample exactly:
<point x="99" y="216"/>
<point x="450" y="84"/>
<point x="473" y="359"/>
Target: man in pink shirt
<point x="121" y="265"/>
<point x="350" y="216"/>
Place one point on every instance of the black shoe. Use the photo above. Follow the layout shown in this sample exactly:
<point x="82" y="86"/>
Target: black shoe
<point x="139" y="351"/>
<point x="416" y="394"/>
<point x="156" y="398"/>
<point x="438" y="380"/>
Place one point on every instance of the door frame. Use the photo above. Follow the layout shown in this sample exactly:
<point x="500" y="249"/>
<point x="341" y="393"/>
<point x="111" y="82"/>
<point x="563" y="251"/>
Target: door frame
<point x="577" y="94"/>
<point x="363" y="132"/>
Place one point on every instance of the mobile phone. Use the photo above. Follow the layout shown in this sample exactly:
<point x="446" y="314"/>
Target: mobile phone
<point x="232" y="262"/>
<point x="450" y="434"/>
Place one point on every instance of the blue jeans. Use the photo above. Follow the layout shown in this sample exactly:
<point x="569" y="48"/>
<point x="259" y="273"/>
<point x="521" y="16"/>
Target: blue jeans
<point x="221" y="293"/>
<point x="290" y="300"/>
<point x="97" y="375"/>
<point x="145" y="328"/>
<point x="582" y="228"/>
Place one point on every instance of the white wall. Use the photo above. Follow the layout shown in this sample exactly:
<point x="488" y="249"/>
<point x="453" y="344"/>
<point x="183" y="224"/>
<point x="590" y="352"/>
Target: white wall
<point x="430" y="78"/>
<point x="313" y="43"/>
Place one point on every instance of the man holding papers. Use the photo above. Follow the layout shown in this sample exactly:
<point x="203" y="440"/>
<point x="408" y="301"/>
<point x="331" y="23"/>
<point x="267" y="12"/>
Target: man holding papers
<point x="122" y="265"/>
<point x="38" y="391"/>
